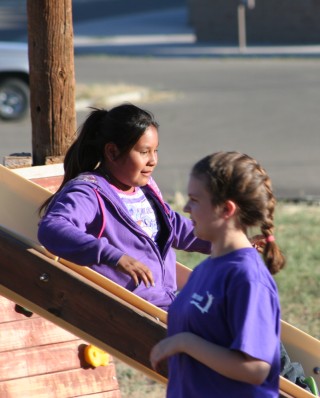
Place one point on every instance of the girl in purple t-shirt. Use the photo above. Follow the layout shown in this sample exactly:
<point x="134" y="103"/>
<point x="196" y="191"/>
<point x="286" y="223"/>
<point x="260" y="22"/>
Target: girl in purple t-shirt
<point x="224" y="326"/>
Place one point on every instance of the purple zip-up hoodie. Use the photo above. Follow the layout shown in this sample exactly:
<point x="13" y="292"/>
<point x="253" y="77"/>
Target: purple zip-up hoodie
<point x="87" y="223"/>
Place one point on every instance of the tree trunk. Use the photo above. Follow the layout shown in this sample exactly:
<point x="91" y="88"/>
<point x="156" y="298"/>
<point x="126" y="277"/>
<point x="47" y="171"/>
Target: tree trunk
<point x="52" y="82"/>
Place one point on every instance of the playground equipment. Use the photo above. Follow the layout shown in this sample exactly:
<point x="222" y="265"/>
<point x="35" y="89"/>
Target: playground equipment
<point x="90" y="306"/>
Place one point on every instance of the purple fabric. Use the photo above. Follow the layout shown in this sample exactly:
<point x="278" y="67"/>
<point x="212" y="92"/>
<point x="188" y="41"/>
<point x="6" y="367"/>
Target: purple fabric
<point x="73" y="221"/>
<point x="231" y="301"/>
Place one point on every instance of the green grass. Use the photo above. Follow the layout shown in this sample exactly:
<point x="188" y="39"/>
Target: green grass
<point x="299" y="283"/>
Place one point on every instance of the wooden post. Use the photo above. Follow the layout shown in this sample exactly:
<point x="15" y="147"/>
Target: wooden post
<point x="52" y="82"/>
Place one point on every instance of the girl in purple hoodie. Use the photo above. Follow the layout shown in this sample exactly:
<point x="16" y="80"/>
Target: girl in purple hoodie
<point x="109" y="214"/>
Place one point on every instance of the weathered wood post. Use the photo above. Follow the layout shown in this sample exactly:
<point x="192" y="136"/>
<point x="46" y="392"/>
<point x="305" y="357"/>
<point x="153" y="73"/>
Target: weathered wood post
<point x="52" y="82"/>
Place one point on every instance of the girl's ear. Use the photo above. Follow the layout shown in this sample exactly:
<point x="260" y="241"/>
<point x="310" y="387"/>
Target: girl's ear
<point x="229" y="209"/>
<point x="111" y="152"/>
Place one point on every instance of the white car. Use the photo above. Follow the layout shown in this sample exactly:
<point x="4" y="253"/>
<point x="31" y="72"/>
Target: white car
<point x="14" y="80"/>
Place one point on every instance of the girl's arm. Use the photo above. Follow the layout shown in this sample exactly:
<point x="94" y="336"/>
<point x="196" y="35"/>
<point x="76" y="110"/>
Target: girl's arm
<point x="65" y="229"/>
<point x="232" y="364"/>
<point x="184" y="238"/>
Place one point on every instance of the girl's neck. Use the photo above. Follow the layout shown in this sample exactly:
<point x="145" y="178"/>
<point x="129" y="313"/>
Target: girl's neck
<point x="229" y="244"/>
<point x="115" y="182"/>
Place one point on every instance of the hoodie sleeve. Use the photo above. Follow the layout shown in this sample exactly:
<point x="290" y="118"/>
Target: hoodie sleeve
<point x="70" y="226"/>
<point x="184" y="238"/>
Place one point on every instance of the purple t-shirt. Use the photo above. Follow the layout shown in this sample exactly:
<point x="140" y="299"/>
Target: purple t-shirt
<point x="231" y="301"/>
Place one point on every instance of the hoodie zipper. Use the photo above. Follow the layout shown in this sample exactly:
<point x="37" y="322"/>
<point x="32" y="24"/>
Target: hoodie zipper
<point x="124" y="215"/>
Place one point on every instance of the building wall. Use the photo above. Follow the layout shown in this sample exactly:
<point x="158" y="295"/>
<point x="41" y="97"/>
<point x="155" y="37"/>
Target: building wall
<point x="270" y="22"/>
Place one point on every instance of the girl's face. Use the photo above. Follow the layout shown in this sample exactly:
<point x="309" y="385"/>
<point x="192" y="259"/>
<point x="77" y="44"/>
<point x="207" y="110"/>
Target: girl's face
<point x="206" y="218"/>
<point x="135" y="168"/>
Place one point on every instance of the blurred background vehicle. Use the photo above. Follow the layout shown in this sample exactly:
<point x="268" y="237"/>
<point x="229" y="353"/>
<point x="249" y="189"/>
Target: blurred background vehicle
<point x="14" y="80"/>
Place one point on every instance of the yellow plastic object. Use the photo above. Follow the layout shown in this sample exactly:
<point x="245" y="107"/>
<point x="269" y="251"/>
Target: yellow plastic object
<point x="95" y="356"/>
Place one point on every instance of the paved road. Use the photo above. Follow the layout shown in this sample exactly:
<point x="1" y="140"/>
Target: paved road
<point x="268" y="108"/>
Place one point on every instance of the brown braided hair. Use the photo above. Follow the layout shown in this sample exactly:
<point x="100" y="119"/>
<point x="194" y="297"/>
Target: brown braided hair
<point x="238" y="177"/>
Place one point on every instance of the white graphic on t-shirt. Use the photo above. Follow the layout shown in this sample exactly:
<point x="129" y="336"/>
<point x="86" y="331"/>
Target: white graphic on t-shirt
<point x="197" y="299"/>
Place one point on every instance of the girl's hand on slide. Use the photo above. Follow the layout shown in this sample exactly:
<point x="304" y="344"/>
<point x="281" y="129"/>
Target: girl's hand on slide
<point x="138" y="271"/>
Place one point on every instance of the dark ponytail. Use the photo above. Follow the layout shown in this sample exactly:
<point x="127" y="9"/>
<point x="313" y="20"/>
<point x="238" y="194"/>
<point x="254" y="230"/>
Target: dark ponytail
<point x="87" y="151"/>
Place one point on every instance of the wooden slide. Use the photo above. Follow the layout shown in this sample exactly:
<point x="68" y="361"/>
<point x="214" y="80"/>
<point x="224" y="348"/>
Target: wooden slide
<point x="20" y="199"/>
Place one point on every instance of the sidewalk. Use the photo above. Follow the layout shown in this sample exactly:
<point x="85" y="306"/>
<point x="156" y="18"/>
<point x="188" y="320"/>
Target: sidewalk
<point x="165" y="34"/>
